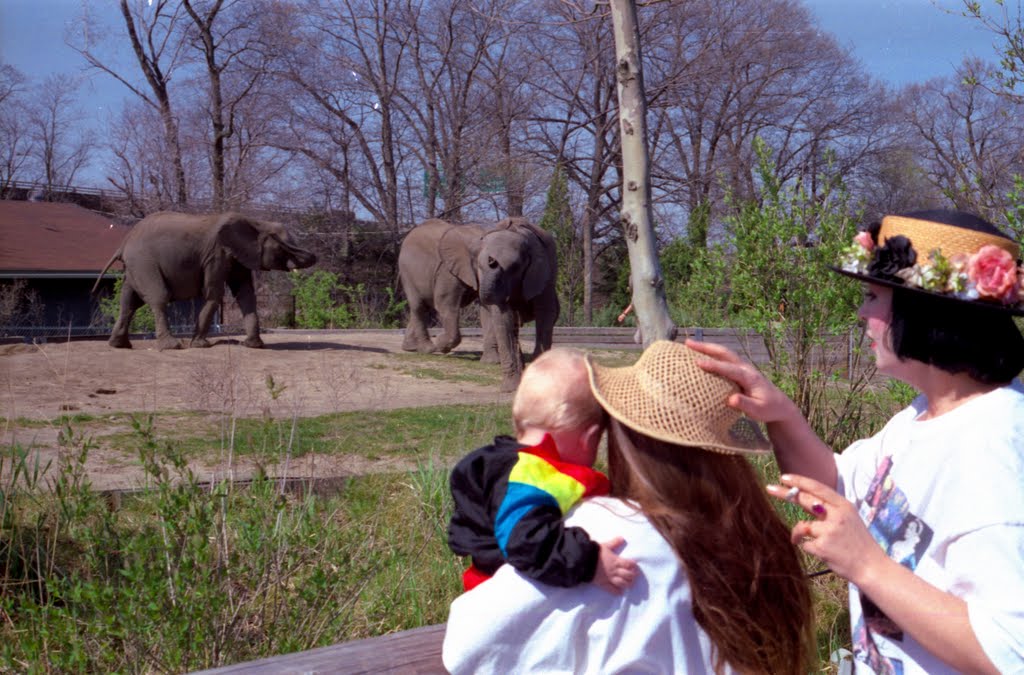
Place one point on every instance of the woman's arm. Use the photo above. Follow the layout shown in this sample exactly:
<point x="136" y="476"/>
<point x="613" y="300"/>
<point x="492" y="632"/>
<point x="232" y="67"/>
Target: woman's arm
<point x="797" y="448"/>
<point x="936" y="619"/>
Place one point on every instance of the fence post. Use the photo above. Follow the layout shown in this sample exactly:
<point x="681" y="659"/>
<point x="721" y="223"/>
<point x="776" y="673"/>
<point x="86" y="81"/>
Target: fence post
<point x="849" y="354"/>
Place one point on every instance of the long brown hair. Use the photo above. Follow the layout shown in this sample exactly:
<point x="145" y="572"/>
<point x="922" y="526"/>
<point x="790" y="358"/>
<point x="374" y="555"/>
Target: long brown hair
<point x="750" y="592"/>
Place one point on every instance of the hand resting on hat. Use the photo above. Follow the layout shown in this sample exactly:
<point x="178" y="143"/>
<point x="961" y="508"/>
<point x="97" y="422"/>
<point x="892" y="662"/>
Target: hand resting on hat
<point x="797" y="447"/>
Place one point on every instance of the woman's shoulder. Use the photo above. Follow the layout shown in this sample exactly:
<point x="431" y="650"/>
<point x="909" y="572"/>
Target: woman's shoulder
<point x="596" y="510"/>
<point x="605" y="518"/>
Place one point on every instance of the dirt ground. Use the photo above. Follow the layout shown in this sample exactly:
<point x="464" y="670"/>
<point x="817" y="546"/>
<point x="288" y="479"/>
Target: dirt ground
<point x="298" y="374"/>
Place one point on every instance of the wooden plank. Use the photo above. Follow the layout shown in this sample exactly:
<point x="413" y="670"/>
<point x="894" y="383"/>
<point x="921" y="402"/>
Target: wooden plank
<point x="416" y="651"/>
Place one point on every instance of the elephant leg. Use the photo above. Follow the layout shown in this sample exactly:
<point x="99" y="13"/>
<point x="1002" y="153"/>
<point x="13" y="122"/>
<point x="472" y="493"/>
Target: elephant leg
<point x="450" y="336"/>
<point x="130" y="303"/>
<point x="490" y="350"/>
<point x="245" y="294"/>
<point x="506" y="332"/>
<point x="545" y="314"/>
<point x="203" y="323"/>
<point x="416" y="337"/>
<point x="164" y="338"/>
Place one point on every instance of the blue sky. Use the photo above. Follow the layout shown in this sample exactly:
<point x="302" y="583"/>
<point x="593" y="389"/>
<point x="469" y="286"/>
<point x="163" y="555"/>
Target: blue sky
<point x="903" y="41"/>
<point x="899" y="41"/>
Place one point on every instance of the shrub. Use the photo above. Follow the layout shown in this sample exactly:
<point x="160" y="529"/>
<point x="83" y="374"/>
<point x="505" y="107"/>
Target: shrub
<point x="110" y="308"/>
<point x="770" y="274"/>
<point x="322" y="301"/>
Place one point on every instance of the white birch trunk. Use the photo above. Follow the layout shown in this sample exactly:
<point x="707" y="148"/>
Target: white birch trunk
<point x="649" y="302"/>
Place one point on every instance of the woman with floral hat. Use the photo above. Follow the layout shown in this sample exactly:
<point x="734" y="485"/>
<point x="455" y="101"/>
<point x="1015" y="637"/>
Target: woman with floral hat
<point x="720" y="588"/>
<point x="925" y="519"/>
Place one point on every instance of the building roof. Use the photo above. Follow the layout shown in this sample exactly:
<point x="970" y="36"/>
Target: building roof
<point x="40" y="239"/>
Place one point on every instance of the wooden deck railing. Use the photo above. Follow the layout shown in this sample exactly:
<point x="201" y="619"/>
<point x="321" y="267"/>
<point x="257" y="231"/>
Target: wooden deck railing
<point x="416" y="651"/>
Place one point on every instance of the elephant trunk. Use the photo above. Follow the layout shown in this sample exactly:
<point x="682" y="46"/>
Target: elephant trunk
<point x="300" y="258"/>
<point x="492" y="291"/>
<point x="505" y="322"/>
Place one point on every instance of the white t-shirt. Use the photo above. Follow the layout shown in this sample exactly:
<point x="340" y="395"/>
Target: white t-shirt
<point x="945" y="497"/>
<point x="512" y="624"/>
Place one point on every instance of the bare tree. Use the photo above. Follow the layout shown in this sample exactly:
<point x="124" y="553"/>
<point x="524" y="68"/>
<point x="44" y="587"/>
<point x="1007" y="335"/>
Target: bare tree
<point x="139" y="166"/>
<point x="444" y="97"/>
<point x="727" y="72"/>
<point x="1006" y="23"/>
<point x="637" y="223"/>
<point x="60" y="149"/>
<point x="970" y="138"/>
<point x="236" y="54"/>
<point x="575" y="125"/>
<point x="509" y="68"/>
<point x="15" y="141"/>
<point x="154" y="33"/>
<point x="345" y="70"/>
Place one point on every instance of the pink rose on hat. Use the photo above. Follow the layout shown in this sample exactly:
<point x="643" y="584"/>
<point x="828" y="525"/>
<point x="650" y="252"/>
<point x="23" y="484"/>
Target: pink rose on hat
<point x="994" y="273"/>
<point x="864" y="239"/>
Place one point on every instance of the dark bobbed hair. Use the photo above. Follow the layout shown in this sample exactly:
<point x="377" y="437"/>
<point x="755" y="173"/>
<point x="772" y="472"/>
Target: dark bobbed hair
<point x="957" y="337"/>
<point x="750" y="590"/>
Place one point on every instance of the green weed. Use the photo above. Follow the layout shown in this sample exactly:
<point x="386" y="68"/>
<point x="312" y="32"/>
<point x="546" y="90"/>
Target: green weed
<point x="183" y="576"/>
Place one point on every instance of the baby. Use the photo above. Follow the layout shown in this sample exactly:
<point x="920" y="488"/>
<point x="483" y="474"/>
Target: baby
<point x="510" y="497"/>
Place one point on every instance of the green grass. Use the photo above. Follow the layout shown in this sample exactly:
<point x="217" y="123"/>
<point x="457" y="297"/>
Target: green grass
<point x="183" y="577"/>
<point x="455" y="428"/>
<point x="458" y="367"/>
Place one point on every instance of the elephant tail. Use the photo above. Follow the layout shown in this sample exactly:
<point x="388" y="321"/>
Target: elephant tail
<point x="115" y="258"/>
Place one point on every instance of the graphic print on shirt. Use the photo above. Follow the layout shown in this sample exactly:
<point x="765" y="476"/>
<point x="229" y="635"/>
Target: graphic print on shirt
<point x="905" y="537"/>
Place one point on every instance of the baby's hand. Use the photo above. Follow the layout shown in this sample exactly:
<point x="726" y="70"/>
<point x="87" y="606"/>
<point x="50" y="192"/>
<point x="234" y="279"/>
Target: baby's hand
<point x="614" y="573"/>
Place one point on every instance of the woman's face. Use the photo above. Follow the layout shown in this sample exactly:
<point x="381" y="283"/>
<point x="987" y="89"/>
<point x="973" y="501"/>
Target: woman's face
<point x="876" y="313"/>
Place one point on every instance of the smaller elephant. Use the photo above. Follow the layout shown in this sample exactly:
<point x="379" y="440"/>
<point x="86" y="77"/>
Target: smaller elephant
<point x="171" y="256"/>
<point x="510" y="268"/>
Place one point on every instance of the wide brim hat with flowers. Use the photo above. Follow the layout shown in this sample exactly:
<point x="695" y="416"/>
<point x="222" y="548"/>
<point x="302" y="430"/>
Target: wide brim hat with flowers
<point x="948" y="254"/>
<point x="667" y="396"/>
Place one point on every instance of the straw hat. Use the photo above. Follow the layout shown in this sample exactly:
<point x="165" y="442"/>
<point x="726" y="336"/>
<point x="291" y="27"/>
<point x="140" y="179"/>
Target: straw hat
<point x="667" y="396"/>
<point x="947" y="254"/>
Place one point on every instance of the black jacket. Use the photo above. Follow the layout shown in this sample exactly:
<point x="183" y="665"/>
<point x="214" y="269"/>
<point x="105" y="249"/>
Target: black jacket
<point x="510" y="501"/>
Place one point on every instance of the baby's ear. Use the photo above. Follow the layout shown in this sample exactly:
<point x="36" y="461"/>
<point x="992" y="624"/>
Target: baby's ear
<point x="593" y="433"/>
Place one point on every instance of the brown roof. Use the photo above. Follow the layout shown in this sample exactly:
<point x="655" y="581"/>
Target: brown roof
<point x="40" y="237"/>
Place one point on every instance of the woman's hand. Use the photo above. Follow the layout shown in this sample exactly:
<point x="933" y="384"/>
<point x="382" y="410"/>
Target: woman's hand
<point x="937" y="619"/>
<point x="836" y="534"/>
<point x="797" y="448"/>
<point x="758" y="398"/>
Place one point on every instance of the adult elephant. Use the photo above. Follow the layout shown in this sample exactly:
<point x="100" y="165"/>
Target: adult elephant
<point x="510" y="268"/>
<point x="177" y="256"/>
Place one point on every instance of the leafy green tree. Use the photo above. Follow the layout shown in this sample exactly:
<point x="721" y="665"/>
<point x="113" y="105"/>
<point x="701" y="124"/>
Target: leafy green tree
<point x="557" y="220"/>
<point x="771" y="275"/>
<point x="1015" y="211"/>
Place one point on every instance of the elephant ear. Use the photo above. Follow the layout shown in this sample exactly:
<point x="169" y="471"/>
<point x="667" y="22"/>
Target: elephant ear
<point x="543" y="264"/>
<point x="241" y="237"/>
<point x="458" y="248"/>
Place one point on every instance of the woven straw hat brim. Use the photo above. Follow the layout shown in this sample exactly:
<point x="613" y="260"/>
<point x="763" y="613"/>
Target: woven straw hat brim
<point x="926" y="236"/>
<point x="667" y="396"/>
<point x="981" y="305"/>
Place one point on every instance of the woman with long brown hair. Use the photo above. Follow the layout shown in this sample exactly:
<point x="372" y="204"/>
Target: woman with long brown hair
<point x="720" y="588"/>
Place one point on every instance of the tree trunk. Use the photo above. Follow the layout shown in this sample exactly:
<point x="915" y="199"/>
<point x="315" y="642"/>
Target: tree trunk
<point x="648" y="285"/>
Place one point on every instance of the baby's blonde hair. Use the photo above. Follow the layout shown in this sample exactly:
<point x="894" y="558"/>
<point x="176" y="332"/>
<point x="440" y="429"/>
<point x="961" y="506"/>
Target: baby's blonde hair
<point x="554" y="394"/>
